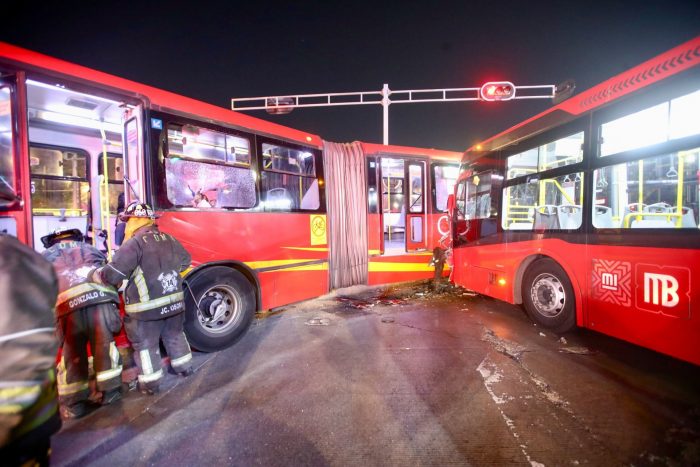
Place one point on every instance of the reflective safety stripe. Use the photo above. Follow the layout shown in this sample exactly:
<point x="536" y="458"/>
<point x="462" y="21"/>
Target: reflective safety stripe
<point x="65" y="388"/>
<point x="114" y="355"/>
<point x="84" y="288"/>
<point x="151" y="377"/>
<point x="109" y="374"/>
<point x="182" y="360"/>
<point x="158" y="302"/>
<point x="14" y="400"/>
<point x="141" y="285"/>
<point x="146" y="366"/>
<point x="72" y="388"/>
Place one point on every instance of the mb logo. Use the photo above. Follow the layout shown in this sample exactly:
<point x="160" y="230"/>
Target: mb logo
<point x="663" y="290"/>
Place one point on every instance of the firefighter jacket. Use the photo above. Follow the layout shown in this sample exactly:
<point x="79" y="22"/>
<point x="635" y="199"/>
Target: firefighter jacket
<point x="28" y="346"/>
<point x="151" y="261"/>
<point x="73" y="261"/>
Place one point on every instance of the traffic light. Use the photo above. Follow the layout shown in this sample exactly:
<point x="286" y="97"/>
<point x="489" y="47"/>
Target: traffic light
<point x="497" y="91"/>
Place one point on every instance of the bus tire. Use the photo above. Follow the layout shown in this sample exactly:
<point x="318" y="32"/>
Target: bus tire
<point x="548" y="296"/>
<point x="223" y="310"/>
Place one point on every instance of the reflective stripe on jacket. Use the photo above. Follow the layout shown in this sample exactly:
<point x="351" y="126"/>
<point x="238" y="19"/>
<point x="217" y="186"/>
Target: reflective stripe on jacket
<point x="151" y="261"/>
<point x="72" y="261"/>
<point x="28" y="344"/>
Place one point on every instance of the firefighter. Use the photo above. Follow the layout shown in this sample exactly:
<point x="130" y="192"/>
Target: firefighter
<point x="28" y="345"/>
<point x="86" y="312"/>
<point x="151" y="261"/>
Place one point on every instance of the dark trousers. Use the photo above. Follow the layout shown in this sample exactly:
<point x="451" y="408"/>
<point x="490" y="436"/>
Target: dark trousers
<point x="145" y="337"/>
<point x="94" y="325"/>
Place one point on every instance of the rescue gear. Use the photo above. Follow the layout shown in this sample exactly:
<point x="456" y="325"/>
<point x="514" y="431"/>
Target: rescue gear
<point x="151" y="261"/>
<point x="133" y="224"/>
<point x="136" y="209"/>
<point x="145" y="337"/>
<point x="73" y="261"/>
<point x="60" y="235"/>
<point x="94" y="325"/>
<point x="154" y="301"/>
<point x="28" y="400"/>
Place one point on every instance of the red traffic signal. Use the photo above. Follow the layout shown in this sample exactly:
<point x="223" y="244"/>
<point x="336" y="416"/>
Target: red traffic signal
<point x="497" y="91"/>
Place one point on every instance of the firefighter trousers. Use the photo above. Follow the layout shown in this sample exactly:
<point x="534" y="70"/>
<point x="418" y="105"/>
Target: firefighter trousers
<point x="145" y="337"/>
<point x="94" y="325"/>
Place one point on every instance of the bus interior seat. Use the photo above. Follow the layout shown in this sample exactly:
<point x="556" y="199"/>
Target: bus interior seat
<point x="546" y="217"/>
<point x="658" y="223"/>
<point x="570" y="216"/>
<point x="687" y="217"/>
<point x="397" y="222"/>
<point x="602" y="218"/>
<point x="658" y="208"/>
<point x="520" y="226"/>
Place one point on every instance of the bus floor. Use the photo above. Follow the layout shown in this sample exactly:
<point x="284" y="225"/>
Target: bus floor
<point x="430" y="378"/>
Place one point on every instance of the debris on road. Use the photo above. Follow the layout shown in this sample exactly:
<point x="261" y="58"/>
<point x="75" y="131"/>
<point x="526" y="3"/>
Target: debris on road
<point x="387" y="319"/>
<point x="563" y="340"/>
<point x="318" y="322"/>
<point x="543" y="334"/>
<point x="576" y="350"/>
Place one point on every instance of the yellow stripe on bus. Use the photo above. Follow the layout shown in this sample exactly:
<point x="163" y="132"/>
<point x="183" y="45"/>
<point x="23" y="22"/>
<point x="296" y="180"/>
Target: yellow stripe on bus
<point x="277" y="262"/>
<point x="400" y="267"/>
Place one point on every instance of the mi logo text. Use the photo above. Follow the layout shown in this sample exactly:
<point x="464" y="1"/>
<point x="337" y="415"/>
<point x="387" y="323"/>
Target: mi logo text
<point x="608" y="281"/>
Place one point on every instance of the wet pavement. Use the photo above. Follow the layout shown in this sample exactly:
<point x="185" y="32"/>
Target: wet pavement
<point x="404" y="376"/>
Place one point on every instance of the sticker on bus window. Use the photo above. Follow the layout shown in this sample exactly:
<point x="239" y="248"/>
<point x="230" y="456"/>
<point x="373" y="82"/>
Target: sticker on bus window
<point x="156" y="123"/>
<point x="318" y="229"/>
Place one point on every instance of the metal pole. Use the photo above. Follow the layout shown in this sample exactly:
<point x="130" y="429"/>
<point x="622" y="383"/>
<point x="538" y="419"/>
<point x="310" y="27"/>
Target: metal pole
<point x="385" y="108"/>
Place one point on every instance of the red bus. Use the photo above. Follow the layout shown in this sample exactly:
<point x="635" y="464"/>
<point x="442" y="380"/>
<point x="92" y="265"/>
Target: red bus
<point x="587" y="214"/>
<point x="270" y="214"/>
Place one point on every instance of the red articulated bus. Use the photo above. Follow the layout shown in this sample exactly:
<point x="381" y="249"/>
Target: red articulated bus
<point x="587" y="214"/>
<point x="270" y="214"/>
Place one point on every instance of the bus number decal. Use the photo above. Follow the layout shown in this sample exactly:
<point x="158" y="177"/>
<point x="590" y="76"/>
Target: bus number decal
<point x="612" y="282"/>
<point x="664" y="290"/>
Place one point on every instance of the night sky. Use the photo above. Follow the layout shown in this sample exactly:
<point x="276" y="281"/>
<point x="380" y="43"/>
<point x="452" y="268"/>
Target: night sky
<point x="214" y="51"/>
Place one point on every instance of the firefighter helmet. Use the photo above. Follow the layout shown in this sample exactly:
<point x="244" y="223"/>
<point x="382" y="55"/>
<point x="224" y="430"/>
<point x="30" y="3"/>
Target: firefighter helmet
<point x="138" y="210"/>
<point x="61" y="234"/>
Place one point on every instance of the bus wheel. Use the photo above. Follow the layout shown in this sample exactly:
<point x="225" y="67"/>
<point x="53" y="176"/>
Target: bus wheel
<point x="548" y="296"/>
<point x="219" y="308"/>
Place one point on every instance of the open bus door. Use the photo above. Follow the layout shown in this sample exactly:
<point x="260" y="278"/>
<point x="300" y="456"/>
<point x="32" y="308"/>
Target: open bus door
<point x="133" y="142"/>
<point x="13" y="142"/>
<point x="415" y="206"/>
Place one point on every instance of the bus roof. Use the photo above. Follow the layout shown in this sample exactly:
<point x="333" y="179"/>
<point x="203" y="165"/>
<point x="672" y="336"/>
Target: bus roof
<point x="154" y="96"/>
<point x="676" y="60"/>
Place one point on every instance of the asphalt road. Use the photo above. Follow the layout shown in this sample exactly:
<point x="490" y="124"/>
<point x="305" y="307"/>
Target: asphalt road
<point x="404" y="376"/>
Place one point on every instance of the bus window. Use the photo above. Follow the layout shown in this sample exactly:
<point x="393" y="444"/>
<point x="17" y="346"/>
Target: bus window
<point x="669" y="120"/>
<point x="415" y="176"/>
<point x="445" y="178"/>
<point x="59" y="183"/>
<point x="289" y="179"/>
<point x="208" y="169"/>
<point x="7" y="174"/>
<point x="665" y="196"/>
<point x="372" y="200"/>
<point x="546" y="204"/>
<point x="559" y="153"/>
<point x="115" y="178"/>
<point x="478" y="205"/>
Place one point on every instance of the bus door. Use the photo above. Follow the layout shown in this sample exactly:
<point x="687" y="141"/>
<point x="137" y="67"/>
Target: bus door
<point x="402" y="205"/>
<point x="71" y="134"/>
<point x="13" y="219"/>
<point x="415" y="206"/>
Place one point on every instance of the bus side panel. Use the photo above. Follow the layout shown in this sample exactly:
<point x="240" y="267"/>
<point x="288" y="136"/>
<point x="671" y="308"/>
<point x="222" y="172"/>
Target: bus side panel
<point x="647" y="296"/>
<point x="374" y="233"/>
<point x="402" y="268"/>
<point x="291" y="263"/>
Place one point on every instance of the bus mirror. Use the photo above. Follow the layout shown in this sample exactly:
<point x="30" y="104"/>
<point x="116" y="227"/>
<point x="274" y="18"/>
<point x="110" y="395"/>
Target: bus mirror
<point x="450" y="203"/>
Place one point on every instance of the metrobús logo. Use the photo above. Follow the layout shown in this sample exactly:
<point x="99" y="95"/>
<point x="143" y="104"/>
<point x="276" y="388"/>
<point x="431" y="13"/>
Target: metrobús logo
<point x="663" y="289"/>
